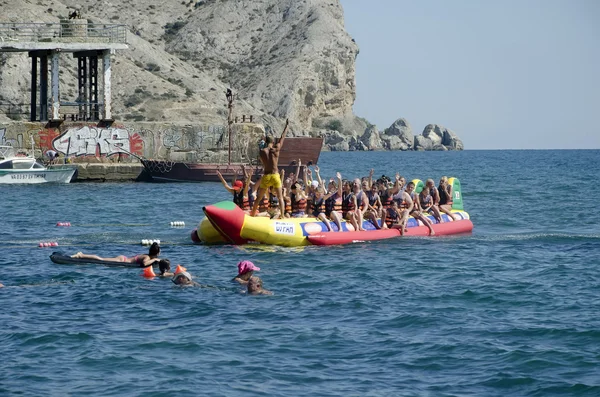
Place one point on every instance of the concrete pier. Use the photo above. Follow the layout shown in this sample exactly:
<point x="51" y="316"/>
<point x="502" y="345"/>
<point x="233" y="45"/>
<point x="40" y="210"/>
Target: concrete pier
<point x="87" y="42"/>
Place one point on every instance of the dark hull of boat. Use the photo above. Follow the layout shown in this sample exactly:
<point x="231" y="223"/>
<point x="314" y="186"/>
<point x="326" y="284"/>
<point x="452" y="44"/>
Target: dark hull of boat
<point x="307" y="150"/>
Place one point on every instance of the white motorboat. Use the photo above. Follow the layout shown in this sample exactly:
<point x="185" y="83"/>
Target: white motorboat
<point x="19" y="167"/>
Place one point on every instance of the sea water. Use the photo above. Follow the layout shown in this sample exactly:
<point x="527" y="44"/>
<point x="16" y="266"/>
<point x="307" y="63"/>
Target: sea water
<point x="511" y="309"/>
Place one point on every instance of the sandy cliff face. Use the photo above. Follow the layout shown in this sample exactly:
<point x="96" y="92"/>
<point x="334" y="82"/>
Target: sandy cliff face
<point x="284" y="58"/>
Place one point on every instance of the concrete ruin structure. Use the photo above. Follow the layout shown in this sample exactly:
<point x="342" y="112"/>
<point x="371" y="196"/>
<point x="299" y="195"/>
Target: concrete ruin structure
<point x="91" y="44"/>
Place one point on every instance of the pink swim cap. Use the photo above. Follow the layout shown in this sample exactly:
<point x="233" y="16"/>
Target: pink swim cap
<point x="246" y="266"/>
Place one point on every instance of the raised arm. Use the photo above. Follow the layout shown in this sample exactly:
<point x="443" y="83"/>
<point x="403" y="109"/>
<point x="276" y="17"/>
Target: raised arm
<point x="297" y="171"/>
<point x="229" y="188"/>
<point x="247" y="180"/>
<point x="280" y="143"/>
<point x="371" y="177"/>
<point x="339" y="177"/>
<point x="396" y="184"/>
<point x="318" y="176"/>
<point x="306" y="184"/>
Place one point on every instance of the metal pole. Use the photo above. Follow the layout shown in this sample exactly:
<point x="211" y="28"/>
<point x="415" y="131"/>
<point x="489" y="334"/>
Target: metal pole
<point x="229" y="96"/>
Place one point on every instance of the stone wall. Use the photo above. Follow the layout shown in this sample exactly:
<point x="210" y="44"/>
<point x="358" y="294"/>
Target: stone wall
<point x="89" y="142"/>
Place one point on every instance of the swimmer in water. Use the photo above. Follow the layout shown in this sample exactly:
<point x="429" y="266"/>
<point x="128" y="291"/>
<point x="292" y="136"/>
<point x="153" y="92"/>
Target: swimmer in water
<point x="143" y="260"/>
<point x="164" y="265"/>
<point x="255" y="287"/>
<point x="245" y="271"/>
<point x="184" y="278"/>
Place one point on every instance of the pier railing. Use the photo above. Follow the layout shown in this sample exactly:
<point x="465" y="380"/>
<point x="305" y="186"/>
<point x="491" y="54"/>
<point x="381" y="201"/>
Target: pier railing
<point x="67" y="31"/>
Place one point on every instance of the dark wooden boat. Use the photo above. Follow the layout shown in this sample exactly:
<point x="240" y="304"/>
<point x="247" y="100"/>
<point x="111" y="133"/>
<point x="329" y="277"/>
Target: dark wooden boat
<point x="304" y="149"/>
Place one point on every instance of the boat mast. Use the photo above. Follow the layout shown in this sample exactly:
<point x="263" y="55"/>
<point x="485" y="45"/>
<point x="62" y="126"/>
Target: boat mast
<point x="229" y="96"/>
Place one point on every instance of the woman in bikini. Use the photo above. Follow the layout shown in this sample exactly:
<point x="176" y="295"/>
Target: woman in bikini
<point x="143" y="260"/>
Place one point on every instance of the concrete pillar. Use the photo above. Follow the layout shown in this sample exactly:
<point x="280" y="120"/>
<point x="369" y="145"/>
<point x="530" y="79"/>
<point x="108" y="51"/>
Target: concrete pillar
<point x="44" y="87"/>
<point x="34" y="76"/>
<point x="107" y="114"/>
<point x="55" y="94"/>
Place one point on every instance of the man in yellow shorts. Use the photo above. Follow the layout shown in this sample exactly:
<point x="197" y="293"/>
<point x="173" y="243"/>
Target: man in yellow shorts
<point x="269" y="156"/>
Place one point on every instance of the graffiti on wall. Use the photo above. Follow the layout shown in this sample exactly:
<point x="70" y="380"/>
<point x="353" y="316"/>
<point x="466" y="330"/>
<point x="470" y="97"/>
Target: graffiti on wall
<point x="91" y="140"/>
<point x="144" y="140"/>
<point x="5" y="141"/>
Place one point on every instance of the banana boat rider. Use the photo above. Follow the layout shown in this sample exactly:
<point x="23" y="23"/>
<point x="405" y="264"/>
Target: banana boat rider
<point x="269" y="157"/>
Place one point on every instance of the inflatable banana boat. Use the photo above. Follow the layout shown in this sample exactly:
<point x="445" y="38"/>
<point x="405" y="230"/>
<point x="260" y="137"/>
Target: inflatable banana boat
<point x="226" y="223"/>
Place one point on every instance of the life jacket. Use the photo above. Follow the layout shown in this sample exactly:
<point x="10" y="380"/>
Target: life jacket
<point x="347" y="202"/>
<point x="333" y="203"/>
<point x="372" y="197"/>
<point x="391" y="217"/>
<point x="318" y="206"/>
<point x="386" y="199"/>
<point x="297" y="206"/>
<point x="238" y="198"/>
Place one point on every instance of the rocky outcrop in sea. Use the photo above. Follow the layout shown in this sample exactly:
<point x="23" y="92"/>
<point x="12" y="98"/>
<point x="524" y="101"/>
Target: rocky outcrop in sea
<point x="398" y="136"/>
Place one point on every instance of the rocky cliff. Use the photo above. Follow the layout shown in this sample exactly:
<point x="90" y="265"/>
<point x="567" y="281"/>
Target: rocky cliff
<point x="284" y="59"/>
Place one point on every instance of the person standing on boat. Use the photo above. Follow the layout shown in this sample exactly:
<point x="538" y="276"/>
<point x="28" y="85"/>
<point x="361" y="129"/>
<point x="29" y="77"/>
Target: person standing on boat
<point x="50" y="156"/>
<point x="269" y="157"/>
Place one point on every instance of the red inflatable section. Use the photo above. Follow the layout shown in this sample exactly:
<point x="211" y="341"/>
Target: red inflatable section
<point x="228" y="219"/>
<point x="440" y="229"/>
<point x="334" y="238"/>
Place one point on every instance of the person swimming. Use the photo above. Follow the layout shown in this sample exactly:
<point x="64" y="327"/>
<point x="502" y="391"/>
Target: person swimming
<point x="245" y="271"/>
<point x="255" y="287"/>
<point x="164" y="265"/>
<point x="184" y="278"/>
<point x="143" y="260"/>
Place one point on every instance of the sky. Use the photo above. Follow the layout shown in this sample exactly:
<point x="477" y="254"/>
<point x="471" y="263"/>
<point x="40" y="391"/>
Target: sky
<point x="509" y="74"/>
